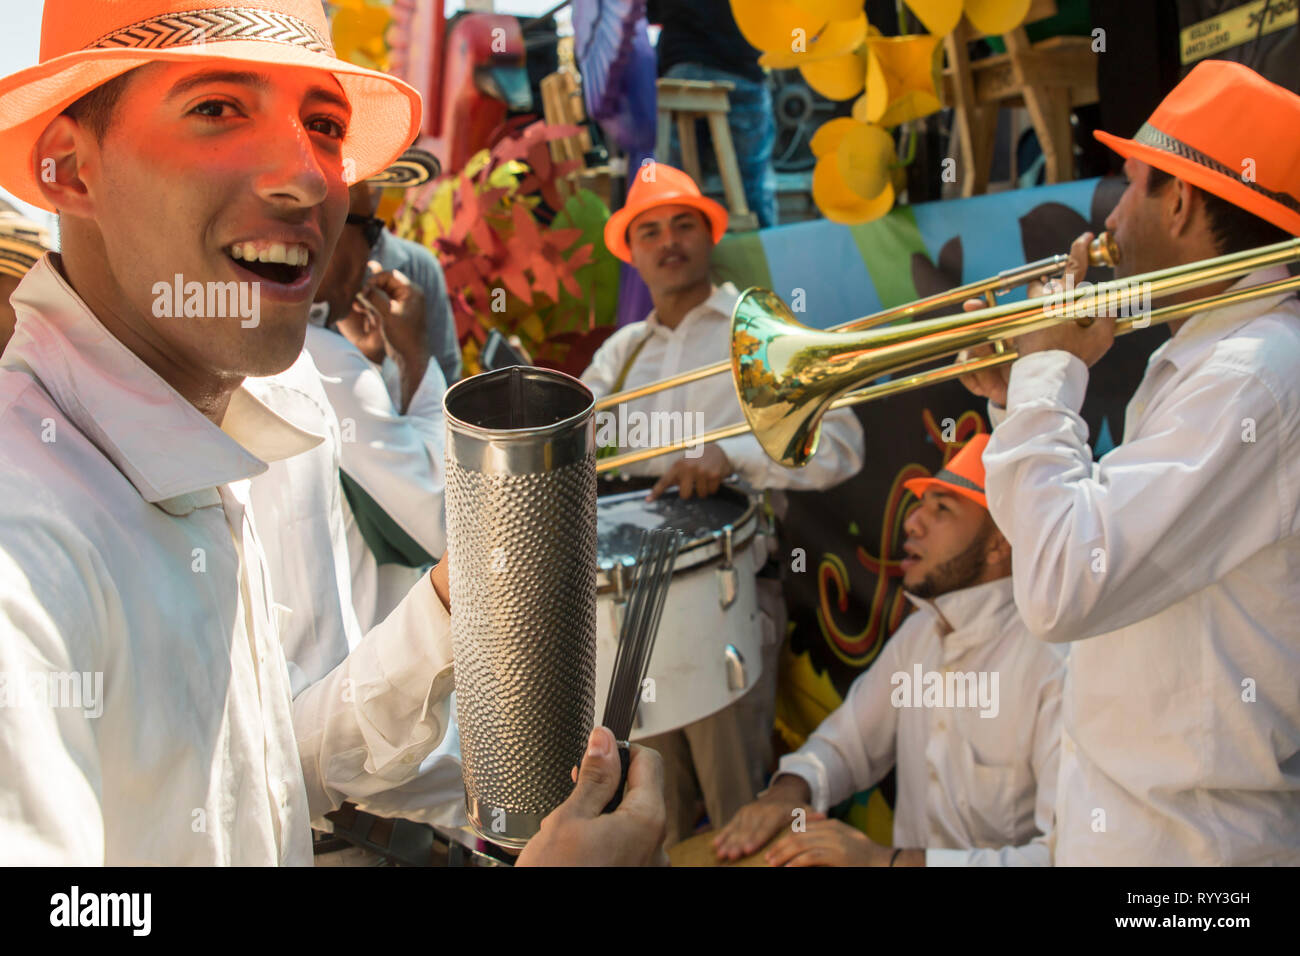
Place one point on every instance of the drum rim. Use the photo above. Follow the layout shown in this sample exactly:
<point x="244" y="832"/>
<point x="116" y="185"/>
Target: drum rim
<point x="701" y="550"/>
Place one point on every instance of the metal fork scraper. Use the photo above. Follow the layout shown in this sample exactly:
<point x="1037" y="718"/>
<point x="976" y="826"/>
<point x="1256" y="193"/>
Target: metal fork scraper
<point x="521" y="530"/>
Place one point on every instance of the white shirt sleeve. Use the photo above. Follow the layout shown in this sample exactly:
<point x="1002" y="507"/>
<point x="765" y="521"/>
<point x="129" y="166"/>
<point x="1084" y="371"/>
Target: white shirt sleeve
<point x="606" y="364"/>
<point x="397" y="459"/>
<point x="1160" y="517"/>
<point x="854" y="747"/>
<point x="1046" y="760"/>
<point x="838" y="458"/>
<point x="366" y="727"/>
<point x="50" y="777"/>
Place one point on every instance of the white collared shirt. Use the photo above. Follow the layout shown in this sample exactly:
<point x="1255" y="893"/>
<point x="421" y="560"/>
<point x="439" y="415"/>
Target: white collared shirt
<point x="396" y="458"/>
<point x="304" y="523"/>
<point x="973" y="790"/>
<point x="1177" y="557"/>
<point x="128" y="552"/>
<point x="702" y="337"/>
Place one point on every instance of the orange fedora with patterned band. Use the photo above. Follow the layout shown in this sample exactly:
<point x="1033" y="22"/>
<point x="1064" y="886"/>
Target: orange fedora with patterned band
<point x="85" y="43"/>
<point x="1231" y="132"/>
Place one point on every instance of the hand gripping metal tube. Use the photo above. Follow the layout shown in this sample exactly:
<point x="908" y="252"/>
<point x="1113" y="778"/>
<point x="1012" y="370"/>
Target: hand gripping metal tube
<point x="521" y="530"/>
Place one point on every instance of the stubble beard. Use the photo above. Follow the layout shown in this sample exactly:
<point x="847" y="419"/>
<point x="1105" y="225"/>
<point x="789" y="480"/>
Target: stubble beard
<point x="958" y="572"/>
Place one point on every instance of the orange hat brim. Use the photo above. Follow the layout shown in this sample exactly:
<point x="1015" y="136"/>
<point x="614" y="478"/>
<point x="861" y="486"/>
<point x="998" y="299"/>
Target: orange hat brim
<point x="1229" y="188"/>
<point x="919" y="486"/>
<point x="617" y="225"/>
<point x="386" y="112"/>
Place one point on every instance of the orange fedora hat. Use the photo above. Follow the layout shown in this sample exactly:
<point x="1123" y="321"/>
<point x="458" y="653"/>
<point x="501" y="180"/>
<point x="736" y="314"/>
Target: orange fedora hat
<point x="660" y="185"/>
<point x="85" y="43"/>
<point x="964" y="475"/>
<point x="1220" y="123"/>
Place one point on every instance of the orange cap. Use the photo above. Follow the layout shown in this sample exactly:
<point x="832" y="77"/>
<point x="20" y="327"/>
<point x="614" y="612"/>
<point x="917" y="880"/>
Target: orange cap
<point x="660" y="185"/>
<point x="85" y="43"/>
<point x="964" y="475"/>
<point x="1231" y="132"/>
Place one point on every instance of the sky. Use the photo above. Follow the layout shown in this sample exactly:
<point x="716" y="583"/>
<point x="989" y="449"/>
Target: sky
<point x="20" y="42"/>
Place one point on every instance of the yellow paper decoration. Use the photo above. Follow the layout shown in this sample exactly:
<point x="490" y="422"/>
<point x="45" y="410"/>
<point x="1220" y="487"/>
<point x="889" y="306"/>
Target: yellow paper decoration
<point x="841" y="78"/>
<point x="837" y="38"/>
<point x="773" y="24"/>
<point x="939" y="17"/>
<point x="841" y="204"/>
<point x="358" y="30"/>
<point x="996" y="16"/>
<point x="902" y="79"/>
<point x="833" y="9"/>
<point x="826" y="140"/>
<point x="864" y="154"/>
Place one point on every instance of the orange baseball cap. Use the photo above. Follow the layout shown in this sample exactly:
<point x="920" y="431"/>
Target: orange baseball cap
<point x="86" y="43"/>
<point x="1231" y="132"/>
<point x="660" y="185"/>
<point x="964" y="475"/>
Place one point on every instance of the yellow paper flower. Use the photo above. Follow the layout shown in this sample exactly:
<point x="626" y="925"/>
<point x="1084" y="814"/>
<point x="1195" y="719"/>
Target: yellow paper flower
<point x="839" y="78"/>
<point x="902" y="80"/>
<point x="996" y="16"/>
<point x="841" y="204"/>
<point x="834" y="38"/>
<point x="775" y="24"/>
<point x="826" y="140"/>
<point x="939" y="17"/>
<point x="358" y="30"/>
<point x="833" y="9"/>
<point x="864" y="155"/>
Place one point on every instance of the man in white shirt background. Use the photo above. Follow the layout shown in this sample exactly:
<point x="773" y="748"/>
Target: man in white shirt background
<point x="667" y="230"/>
<point x="963" y="701"/>
<point x="1169" y="564"/>
<point x="129" y="551"/>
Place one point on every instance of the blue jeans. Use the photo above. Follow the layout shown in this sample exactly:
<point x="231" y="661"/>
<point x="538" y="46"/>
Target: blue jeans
<point x="753" y="131"/>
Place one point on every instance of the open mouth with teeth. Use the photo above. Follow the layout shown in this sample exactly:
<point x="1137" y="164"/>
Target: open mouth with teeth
<point x="278" y="262"/>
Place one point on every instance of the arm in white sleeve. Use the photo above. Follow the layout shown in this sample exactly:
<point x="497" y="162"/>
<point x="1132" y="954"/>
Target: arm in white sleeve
<point x="1160" y="517"/>
<point x="601" y="375"/>
<point x="1046" y="760"/>
<point x="369" y="723"/>
<point x="854" y="747"/>
<point x="396" y="459"/>
<point x="838" y="458"/>
<point x="50" y="777"/>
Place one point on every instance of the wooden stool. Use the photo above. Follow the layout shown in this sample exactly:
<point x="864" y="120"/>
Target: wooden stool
<point x="562" y="106"/>
<point x="685" y="101"/>
<point x="1049" y="79"/>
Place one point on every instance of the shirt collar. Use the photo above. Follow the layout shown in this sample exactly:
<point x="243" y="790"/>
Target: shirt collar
<point x="1204" y="330"/>
<point x="956" y="611"/>
<point x="160" y="442"/>
<point x="721" y="300"/>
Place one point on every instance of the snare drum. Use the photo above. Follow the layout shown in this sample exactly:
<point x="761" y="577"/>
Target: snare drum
<point x="709" y="649"/>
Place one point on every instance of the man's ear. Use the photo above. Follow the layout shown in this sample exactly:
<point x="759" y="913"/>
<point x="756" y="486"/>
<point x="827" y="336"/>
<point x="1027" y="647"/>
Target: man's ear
<point x="999" y="549"/>
<point x="60" y="157"/>
<point x="1182" y="206"/>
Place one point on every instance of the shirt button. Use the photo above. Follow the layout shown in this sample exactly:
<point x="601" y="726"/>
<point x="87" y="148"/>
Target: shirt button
<point x="941" y="725"/>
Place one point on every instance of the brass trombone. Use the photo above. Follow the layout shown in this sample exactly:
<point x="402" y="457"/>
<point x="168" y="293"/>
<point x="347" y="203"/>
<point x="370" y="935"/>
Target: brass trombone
<point x="788" y="376"/>
<point x="1101" y="252"/>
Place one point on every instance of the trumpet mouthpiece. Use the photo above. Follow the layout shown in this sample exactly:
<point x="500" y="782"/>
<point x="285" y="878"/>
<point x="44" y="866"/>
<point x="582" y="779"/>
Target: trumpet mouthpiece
<point x="1103" y="251"/>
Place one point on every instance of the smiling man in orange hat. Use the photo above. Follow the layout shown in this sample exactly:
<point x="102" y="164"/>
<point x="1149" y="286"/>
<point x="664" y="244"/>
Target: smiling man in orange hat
<point x="195" y="152"/>
<point x="1171" y="561"/>
<point x="963" y="702"/>
<point x="667" y="231"/>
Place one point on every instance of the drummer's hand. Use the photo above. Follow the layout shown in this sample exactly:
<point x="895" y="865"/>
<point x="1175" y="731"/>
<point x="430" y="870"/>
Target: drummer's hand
<point x="699" y="477"/>
<point x="828" y="843"/>
<point x="757" y="822"/>
<point x="576" y="833"/>
<point x="1090" y="340"/>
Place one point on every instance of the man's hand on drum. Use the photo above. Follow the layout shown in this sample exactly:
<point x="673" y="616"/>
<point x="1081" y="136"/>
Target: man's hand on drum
<point x="1089" y="338"/>
<point x="695" y="477"/>
<point x="826" y="842"/>
<point x="756" y="823"/>
<point x="577" y="833"/>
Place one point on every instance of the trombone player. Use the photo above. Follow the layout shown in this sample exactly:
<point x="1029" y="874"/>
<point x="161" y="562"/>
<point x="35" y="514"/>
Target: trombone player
<point x="1170" y="563"/>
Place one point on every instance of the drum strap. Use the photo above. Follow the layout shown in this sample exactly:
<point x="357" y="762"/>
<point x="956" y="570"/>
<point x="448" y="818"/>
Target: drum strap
<point x="609" y="451"/>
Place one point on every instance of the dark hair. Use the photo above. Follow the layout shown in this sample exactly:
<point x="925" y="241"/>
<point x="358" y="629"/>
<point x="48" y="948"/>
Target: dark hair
<point x="1234" y="229"/>
<point x="95" y="110"/>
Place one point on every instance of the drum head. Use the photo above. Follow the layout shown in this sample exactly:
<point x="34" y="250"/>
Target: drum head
<point x="621" y="517"/>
